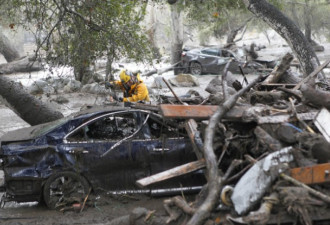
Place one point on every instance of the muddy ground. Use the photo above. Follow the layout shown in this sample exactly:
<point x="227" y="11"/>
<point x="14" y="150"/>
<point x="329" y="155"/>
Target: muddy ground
<point x="107" y="207"/>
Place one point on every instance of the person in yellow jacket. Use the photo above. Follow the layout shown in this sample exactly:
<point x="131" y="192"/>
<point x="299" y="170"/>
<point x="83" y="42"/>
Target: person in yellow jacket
<point x="133" y="88"/>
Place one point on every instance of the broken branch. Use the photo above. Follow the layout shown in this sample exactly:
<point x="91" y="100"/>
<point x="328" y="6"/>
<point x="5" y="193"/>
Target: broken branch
<point x="211" y="163"/>
<point x="318" y="194"/>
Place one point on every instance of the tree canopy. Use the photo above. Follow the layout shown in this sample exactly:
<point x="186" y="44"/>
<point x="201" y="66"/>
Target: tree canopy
<point x="77" y="32"/>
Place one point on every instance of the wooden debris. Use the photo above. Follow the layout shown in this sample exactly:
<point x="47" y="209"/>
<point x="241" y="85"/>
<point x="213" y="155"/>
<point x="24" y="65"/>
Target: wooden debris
<point x="174" y="172"/>
<point x="169" y="86"/>
<point x="212" y="172"/>
<point x="318" y="194"/>
<point x="316" y="174"/>
<point x="199" y="112"/>
<point x="279" y="70"/>
<point x="312" y="75"/>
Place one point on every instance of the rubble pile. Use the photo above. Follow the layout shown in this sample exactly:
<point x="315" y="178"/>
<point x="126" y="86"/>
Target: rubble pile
<point x="265" y="146"/>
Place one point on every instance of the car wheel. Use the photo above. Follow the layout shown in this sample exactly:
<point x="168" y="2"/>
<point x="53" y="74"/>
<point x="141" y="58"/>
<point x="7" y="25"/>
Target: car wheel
<point x="64" y="187"/>
<point x="195" y="68"/>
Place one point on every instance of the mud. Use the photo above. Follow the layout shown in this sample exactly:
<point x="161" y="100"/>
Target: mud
<point x="101" y="212"/>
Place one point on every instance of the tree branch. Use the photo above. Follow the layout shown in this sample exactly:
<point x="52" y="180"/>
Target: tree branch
<point x="212" y="172"/>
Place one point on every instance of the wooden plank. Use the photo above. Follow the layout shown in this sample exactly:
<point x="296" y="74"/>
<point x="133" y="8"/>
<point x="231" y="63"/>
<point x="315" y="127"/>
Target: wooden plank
<point x="199" y="112"/>
<point x="285" y="118"/>
<point x="316" y="174"/>
<point x="174" y="172"/>
<point x="187" y="112"/>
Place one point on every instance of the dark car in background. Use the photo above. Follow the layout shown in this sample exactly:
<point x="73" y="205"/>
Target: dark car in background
<point x="105" y="149"/>
<point x="213" y="60"/>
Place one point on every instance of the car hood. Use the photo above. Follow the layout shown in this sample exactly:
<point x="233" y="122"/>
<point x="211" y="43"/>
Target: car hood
<point x="22" y="134"/>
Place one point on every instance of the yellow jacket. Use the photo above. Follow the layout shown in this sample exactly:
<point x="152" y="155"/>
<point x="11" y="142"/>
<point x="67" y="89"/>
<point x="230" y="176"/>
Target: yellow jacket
<point x="137" y="92"/>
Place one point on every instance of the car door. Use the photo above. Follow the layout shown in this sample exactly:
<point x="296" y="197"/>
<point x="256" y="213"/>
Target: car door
<point x="213" y="62"/>
<point x="103" y="150"/>
<point x="169" y="147"/>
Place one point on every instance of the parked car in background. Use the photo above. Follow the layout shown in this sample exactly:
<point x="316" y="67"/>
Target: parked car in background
<point x="101" y="149"/>
<point x="213" y="60"/>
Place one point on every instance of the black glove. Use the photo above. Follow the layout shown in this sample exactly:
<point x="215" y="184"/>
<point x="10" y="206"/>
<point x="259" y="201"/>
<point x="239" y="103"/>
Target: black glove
<point x="120" y="99"/>
<point x="108" y="85"/>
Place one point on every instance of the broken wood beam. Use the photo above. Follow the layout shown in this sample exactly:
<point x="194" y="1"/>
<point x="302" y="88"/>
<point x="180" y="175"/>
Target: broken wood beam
<point x="174" y="94"/>
<point x="174" y="172"/>
<point x="314" y="73"/>
<point x="316" y="174"/>
<point x="280" y="69"/>
<point x="237" y="113"/>
<point x="285" y="118"/>
<point x="199" y="112"/>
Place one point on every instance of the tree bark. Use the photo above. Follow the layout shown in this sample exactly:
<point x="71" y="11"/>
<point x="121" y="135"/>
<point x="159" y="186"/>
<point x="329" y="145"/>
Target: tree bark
<point x="177" y="35"/>
<point x="7" y="49"/>
<point x="289" y="31"/>
<point x="307" y="21"/>
<point x="26" y="106"/>
<point x="24" y="64"/>
<point x="212" y="172"/>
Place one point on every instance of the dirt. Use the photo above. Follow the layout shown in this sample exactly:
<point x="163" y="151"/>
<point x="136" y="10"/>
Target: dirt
<point x="101" y="212"/>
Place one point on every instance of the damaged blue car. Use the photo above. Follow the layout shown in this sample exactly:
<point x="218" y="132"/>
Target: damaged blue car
<point x="100" y="149"/>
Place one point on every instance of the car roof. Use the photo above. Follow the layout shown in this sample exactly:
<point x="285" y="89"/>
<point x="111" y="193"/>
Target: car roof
<point x="98" y="109"/>
<point x="28" y="133"/>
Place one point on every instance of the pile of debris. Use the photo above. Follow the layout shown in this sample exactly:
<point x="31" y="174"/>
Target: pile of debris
<point x="265" y="146"/>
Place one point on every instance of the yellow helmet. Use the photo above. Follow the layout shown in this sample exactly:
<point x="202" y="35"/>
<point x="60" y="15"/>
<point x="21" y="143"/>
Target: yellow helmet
<point x="124" y="78"/>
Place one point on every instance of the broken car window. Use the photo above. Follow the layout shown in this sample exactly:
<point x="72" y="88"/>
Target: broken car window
<point x="113" y="127"/>
<point x="159" y="128"/>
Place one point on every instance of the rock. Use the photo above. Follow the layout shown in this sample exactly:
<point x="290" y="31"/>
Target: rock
<point x="58" y="84"/>
<point x="98" y="77"/>
<point x="72" y="86"/>
<point x="60" y="100"/>
<point x="184" y="80"/>
<point x="40" y="87"/>
<point x="94" y="88"/>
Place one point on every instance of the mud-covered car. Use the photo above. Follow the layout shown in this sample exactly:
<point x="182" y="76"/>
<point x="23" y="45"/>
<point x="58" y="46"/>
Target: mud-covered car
<point x="213" y="60"/>
<point x="106" y="149"/>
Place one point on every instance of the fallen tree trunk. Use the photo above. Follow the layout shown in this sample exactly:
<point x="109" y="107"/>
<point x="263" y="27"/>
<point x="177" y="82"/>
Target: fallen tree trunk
<point x="26" y="106"/>
<point x="315" y="97"/>
<point x="212" y="172"/>
<point x="160" y="71"/>
<point x="24" y="64"/>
